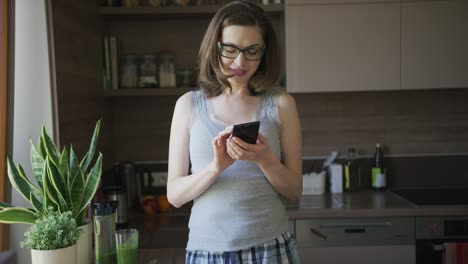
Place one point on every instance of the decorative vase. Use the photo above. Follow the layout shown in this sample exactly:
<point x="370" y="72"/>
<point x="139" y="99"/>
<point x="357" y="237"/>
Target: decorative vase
<point x="57" y="256"/>
<point x="85" y="244"/>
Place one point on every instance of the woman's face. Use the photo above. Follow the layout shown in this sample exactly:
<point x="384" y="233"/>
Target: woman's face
<point x="242" y="37"/>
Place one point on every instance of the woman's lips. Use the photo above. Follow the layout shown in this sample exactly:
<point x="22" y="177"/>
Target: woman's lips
<point x="238" y="72"/>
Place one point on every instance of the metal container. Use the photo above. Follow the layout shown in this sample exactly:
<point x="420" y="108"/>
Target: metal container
<point x="128" y="175"/>
<point x="120" y="196"/>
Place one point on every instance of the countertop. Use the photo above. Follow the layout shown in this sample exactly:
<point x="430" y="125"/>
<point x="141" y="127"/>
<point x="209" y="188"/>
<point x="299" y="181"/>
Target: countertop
<point x="365" y="203"/>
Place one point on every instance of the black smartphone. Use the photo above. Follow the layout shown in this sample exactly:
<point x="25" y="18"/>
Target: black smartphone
<point x="248" y="132"/>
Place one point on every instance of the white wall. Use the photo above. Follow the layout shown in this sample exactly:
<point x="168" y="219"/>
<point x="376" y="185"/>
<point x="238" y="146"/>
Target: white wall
<point x="32" y="97"/>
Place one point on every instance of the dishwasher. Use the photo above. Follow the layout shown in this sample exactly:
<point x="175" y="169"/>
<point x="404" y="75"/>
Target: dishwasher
<point x="356" y="240"/>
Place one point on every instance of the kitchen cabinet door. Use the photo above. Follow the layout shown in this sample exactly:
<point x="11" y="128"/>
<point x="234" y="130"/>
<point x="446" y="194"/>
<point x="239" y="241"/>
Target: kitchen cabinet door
<point x="349" y="47"/>
<point x="434" y="44"/>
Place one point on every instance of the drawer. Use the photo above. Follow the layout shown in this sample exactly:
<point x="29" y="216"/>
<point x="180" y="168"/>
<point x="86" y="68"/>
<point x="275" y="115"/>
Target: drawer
<point x="356" y="231"/>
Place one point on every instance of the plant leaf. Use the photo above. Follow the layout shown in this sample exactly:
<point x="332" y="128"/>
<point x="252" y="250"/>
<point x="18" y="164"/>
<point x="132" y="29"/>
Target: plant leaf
<point x="92" y="147"/>
<point x="92" y="183"/>
<point x="51" y="149"/>
<point x="37" y="163"/>
<point x="41" y="148"/>
<point x="3" y="205"/>
<point x="57" y="183"/>
<point x="51" y="197"/>
<point x="74" y="166"/>
<point x="32" y="187"/>
<point x="37" y="205"/>
<point x="13" y="215"/>
<point x="22" y="185"/>
<point x="76" y="192"/>
<point x="63" y="167"/>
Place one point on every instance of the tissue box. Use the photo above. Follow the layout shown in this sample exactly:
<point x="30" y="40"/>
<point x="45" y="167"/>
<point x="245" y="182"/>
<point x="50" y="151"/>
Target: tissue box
<point x="313" y="183"/>
<point x="336" y="177"/>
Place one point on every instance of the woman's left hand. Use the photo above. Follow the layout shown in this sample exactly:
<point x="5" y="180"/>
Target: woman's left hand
<point x="240" y="150"/>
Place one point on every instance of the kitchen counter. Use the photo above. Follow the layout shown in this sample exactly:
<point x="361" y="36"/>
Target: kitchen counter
<point x="366" y="203"/>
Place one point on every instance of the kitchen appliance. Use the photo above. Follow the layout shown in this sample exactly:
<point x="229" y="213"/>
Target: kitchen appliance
<point x="384" y="240"/>
<point x="433" y="232"/>
<point x="115" y="193"/>
<point x="126" y="171"/>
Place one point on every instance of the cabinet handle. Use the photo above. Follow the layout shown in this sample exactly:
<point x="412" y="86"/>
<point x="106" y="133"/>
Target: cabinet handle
<point x="318" y="233"/>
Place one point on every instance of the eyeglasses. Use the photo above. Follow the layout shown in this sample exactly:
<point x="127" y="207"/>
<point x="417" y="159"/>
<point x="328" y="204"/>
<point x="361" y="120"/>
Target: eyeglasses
<point x="231" y="52"/>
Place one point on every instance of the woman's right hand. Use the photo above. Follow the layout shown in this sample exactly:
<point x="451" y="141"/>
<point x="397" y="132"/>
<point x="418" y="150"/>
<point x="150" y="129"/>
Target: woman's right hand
<point x="221" y="160"/>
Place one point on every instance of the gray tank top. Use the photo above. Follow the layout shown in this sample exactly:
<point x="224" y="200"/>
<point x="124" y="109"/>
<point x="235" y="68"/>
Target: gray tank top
<point x="241" y="209"/>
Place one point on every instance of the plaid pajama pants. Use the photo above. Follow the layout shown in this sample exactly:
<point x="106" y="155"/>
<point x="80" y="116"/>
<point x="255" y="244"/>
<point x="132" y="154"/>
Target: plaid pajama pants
<point x="280" y="250"/>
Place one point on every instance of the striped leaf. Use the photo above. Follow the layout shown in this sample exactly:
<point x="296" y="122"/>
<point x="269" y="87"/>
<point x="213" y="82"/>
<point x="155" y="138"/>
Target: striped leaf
<point x="21" y="184"/>
<point x="13" y="215"/>
<point x="51" y="197"/>
<point x="41" y="148"/>
<point x="75" y="169"/>
<point x="37" y="163"/>
<point x="37" y="205"/>
<point x="76" y="192"/>
<point x="3" y="205"/>
<point x="92" y="147"/>
<point x="92" y="183"/>
<point x="51" y="149"/>
<point x="63" y="168"/>
<point x="56" y="180"/>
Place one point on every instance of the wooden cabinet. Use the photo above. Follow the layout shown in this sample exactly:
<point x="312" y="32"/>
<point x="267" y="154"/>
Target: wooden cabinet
<point x="349" y="47"/>
<point x="434" y="43"/>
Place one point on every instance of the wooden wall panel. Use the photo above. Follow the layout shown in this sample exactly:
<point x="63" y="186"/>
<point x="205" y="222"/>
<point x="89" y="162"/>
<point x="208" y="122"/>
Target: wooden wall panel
<point x="77" y="29"/>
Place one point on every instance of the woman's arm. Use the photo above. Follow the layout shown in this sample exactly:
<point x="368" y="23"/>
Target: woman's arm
<point x="285" y="176"/>
<point x="182" y="187"/>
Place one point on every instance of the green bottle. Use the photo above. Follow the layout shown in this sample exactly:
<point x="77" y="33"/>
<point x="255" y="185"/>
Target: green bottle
<point x="378" y="172"/>
<point x="352" y="173"/>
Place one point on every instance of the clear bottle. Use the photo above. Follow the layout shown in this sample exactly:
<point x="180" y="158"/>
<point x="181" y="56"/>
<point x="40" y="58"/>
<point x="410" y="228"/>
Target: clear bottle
<point x="104" y="215"/>
<point x="379" y="182"/>
<point x="167" y="74"/>
<point x="352" y="172"/>
<point x="129" y="73"/>
<point x="147" y="77"/>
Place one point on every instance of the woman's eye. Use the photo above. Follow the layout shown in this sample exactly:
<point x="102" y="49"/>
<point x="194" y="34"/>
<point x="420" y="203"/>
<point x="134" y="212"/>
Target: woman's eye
<point x="230" y="49"/>
<point x="252" y="51"/>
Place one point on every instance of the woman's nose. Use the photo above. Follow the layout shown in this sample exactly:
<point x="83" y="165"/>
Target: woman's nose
<point x="240" y="60"/>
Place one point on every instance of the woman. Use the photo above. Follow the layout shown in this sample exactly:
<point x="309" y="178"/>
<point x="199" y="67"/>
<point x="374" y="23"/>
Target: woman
<point x="237" y="215"/>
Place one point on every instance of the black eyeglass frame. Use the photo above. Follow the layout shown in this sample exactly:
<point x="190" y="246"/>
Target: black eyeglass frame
<point x="239" y="51"/>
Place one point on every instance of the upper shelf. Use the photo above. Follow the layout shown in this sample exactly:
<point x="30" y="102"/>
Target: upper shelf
<point x="148" y="91"/>
<point x="176" y="10"/>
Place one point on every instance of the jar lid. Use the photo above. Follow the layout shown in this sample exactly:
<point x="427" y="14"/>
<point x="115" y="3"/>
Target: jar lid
<point x="105" y="208"/>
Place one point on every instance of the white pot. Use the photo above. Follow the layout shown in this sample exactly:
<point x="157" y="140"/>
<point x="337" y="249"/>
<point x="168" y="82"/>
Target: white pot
<point x="57" y="256"/>
<point x="85" y="244"/>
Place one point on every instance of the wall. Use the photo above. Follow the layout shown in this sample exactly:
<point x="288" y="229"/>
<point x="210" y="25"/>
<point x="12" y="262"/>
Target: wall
<point x="32" y="97"/>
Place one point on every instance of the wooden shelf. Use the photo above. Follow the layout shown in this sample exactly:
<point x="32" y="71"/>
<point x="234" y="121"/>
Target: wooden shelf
<point x="176" y="10"/>
<point x="148" y="91"/>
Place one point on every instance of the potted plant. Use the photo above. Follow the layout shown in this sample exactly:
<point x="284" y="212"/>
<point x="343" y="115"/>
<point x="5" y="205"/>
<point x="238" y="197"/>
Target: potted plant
<point x="62" y="182"/>
<point x="53" y="238"/>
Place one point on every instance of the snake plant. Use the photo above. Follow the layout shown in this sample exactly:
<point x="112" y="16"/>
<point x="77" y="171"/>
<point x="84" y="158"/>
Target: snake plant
<point x="61" y="182"/>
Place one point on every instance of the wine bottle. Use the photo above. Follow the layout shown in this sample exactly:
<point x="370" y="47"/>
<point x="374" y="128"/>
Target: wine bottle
<point x="379" y="182"/>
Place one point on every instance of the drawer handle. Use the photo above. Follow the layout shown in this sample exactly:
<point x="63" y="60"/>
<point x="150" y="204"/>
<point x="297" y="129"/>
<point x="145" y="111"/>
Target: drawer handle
<point x="355" y="230"/>
<point x="318" y="233"/>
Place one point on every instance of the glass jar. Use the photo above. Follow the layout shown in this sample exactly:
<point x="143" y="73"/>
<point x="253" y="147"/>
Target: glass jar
<point x="104" y="215"/>
<point x="129" y="74"/>
<point x="167" y="75"/>
<point x="185" y="78"/>
<point x="147" y="77"/>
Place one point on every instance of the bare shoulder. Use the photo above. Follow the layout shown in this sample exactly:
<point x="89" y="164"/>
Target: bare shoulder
<point x="184" y="103"/>
<point x="286" y="101"/>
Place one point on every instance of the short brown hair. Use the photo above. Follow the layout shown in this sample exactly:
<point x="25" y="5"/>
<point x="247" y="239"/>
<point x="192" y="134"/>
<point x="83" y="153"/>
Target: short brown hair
<point x="244" y="13"/>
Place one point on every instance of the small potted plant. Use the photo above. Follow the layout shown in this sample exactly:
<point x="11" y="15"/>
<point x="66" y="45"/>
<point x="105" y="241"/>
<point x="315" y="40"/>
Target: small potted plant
<point x="62" y="182"/>
<point x="53" y="238"/>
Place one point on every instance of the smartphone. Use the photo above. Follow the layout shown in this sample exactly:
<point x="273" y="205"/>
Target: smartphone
<point x="248" y="132"/>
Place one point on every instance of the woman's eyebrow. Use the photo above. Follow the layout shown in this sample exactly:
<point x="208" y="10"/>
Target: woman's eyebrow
<point x="251" y="46"/>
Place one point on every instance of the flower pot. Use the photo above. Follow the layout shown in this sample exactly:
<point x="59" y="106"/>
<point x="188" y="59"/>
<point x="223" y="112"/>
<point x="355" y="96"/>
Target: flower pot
<point x="85" y="244"/>
<point x="57" y="256"/>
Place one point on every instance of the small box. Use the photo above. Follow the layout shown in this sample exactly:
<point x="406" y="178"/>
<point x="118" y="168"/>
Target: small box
<point x="313" y="183"/>
<point x="336" y="177"/>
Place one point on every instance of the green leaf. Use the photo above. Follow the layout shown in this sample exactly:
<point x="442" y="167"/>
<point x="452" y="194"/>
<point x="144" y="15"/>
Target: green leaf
<point x="22" y="185"/>
<point x="41" y="148"/>
<point x="37" y="163"/>
<point x="51" y="197"/>
<point x="76" y="192"/>
<point x="56" y="180"/>
<point x="92" y="147"/>
<point x="63" y="167"/>
<point x="37" y="205"/>
<point x="92" y="183"/>
<point x="13" y="215"/>
<point x="51" y="149"/>
<point x="32" y="187"/>
<point x="3" y="205"/>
